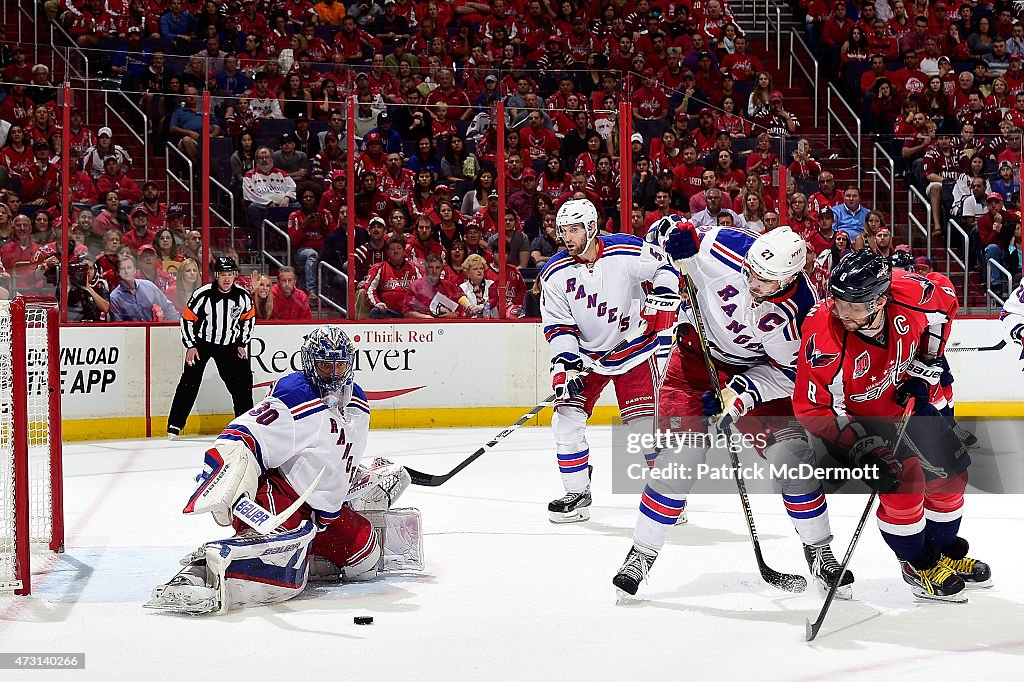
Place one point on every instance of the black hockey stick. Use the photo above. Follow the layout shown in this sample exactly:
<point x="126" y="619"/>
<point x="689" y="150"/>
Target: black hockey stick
<point x="783" y="581"/>
<point x="812" y="628"/>
<point x="434" y="480"/>
<point x="999" y="346"/>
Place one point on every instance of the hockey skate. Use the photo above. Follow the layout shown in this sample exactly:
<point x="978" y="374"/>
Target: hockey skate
<point x="932" y="579"/>
<point x="186" y="594"/>
<point x="969" y="440"/>
<point x="825" y="570"/>
<point x="974" y="573"/>
<point x="633" y="571"/>
<point x="572" y="507"/>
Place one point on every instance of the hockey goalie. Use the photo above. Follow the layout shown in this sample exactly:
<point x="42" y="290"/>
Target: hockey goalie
<point x="303" y="443"/>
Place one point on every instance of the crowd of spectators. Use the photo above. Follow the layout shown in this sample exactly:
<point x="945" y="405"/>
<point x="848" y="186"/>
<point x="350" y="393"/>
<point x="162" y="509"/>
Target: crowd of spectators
<point x="712" y="131"/>
<point x="941" y="86"/>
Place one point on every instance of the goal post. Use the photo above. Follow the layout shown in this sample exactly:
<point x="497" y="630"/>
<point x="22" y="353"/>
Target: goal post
<point x="31" y="471"/>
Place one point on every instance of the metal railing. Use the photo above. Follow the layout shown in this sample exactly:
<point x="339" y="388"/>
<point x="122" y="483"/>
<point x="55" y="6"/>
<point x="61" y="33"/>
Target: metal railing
<point x="70" y="69"/>
<point x="953" y="257"/>
<point x="852" y="136"/>
<point x="886" y="175"/>
<point x="320" y="267"/>
<point x="108" y="109"/>
<point x="914" y="224"/>
<point x="795" y="63"/>
<point x="228" y="221"/>
<point x="991" y="295"/>
<point x="776" y="23"/>
<point x="32" y="17"/>
<point x="184" y="183"/>
<point x="265" y="254"/>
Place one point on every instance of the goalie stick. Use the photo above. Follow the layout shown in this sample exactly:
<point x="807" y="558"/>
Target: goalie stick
<point x="783" y="581"/>
<point x="812" y="628"/>
<point x="254" y="515"/>
<point x="434" y="480"/>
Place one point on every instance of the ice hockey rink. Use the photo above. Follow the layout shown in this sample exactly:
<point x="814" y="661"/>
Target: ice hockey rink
<point x="506" y="594"/>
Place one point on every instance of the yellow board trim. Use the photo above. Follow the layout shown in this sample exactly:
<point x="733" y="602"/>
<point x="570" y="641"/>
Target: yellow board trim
<point x="417" y="418"/>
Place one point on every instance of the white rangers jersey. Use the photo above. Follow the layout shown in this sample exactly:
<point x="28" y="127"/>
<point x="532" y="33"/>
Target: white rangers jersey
<point x="588" y="308"/>
<point x="764" y="337"/>
<point x="292" y="430"/>
<point x="1012" y="313"/>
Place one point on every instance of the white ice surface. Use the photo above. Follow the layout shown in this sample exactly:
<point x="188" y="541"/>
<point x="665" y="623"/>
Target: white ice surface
<point x="507" y="595"/>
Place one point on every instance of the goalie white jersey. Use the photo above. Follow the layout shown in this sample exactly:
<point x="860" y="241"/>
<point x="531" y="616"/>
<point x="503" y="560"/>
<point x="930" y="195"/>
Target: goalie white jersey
<point x="292" y="430"/>
<point x="763" y="337"/>
<point x="588" y="308"/>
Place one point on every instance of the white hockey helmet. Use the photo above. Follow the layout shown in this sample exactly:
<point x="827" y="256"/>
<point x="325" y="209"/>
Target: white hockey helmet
<point x="778" y="255"/>
<point x="575" y="212"/>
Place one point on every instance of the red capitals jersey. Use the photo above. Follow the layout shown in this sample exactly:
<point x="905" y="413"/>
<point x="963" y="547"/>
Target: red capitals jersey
<point x="841" y="373"/>
<point x="397" y="189"/>
<point x="388" y="283"/>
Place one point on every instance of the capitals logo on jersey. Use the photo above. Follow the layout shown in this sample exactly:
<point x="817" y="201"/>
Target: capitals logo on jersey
<point x="815" y="358"/>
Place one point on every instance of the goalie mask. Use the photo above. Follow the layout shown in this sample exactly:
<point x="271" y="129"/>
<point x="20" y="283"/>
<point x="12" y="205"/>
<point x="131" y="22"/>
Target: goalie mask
<point x="577" y="212"/>
<point x="328" y="361"/>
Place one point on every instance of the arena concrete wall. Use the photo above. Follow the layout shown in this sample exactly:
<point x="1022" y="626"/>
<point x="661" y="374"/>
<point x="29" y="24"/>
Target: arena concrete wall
<point x="118" y="381"/>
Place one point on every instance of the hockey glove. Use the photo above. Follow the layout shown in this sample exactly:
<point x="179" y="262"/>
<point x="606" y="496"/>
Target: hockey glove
<point x="683" y="242"/>
<point x="928" y="371"/>
<point x="875" y="457"/>
<point x="916" y="389"/>
<point x="566" y="380"/>
<point x="660" y="310"/>
<point x="737" y="402"/>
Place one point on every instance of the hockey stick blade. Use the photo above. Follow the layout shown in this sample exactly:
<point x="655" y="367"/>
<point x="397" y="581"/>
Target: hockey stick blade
<point x="434" y="480"/>
<point x="811" y="629"/>
<point x="260" y="519"/>
<point x="783" y="581"/>
<point x="961" y="349"/>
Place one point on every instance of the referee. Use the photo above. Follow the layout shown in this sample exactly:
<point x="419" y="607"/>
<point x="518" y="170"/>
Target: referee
<point x="217" y="324"/>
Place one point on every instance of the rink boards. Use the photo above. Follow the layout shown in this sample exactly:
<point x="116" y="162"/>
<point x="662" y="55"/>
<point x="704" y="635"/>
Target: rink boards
<point x="118" y="382"/>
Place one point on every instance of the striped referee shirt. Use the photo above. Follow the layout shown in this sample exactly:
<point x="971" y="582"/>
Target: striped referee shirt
<point x="218" y="317"/>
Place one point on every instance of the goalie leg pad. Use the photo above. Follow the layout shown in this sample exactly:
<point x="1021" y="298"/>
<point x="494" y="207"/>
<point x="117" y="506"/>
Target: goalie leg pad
<point x="229" y="471"/>
<point x="352" y="544"/>
<point x="401" y="535"/>
<point x="378" y="486"/>
<point x="253" y="570"/>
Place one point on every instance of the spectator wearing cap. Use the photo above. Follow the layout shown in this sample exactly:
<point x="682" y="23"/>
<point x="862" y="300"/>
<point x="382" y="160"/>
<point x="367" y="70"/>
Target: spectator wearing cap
<point x="373" y="251"/>
<point x="923" y="266"/>
<point x="94" y="159"/>
<point x="823" y="235"/>
<point x="150" y="268"/>
<point x="1006" y="185"/>
<point x="140" y="233"/>
<point x="777" y="121"/>
<point x="19" y="66"/>
<point x="994" y="233"/>
<point x="388" y="282"/>
<point x="334" y="196"/>
<point x="372" y="158"/>
<point x="114" y="179"/>
<point x="266" y="185"/>
<point x="177" y="23"/>
<point x="132" y="58"/>
<point x="707" y="77"/>
<point x="487" y="217"/>
<point x="40" y="184"/>
<point x="17" y="108"/>
<point x="291" y="161"/>
<point x="391" y="139"/>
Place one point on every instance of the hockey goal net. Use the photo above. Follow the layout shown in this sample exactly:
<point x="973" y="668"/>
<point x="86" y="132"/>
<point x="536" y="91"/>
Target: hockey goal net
<point x="31" y="488"/>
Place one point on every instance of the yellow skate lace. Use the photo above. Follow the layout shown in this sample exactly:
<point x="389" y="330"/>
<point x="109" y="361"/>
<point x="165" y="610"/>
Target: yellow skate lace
<point x="965" y="565"/>
<point x="936" y="575"/>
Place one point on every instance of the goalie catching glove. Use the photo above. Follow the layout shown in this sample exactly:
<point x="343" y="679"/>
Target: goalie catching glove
<point x="661" y="309"/>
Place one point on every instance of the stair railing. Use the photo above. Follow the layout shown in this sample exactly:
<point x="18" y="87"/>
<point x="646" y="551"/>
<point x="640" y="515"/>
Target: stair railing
<point x="185" y="183"/>
<point x="229" y="220"/>
<point x="320" y="267"/>
<point x="806" y="58"/>
<point x="914" y="224"/>
<point x="953" y="257"/>
<point x="773" y="28"/>
<point x="852" y="136"/>
<point x="108" y="109"/>
<point x="265" y="254"/>
<point x="70" y="69"/>
<point x="883" y="171"/>
<point x="990" y="294"/>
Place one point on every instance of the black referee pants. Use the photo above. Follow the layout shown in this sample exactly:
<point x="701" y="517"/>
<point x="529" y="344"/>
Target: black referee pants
<point x="233" y="370"/>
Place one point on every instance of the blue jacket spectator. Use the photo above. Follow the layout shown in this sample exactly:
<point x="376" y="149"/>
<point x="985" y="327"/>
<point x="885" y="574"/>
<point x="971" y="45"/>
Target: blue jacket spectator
<point x="850" y="215"/>
<point x="177" y="23"/>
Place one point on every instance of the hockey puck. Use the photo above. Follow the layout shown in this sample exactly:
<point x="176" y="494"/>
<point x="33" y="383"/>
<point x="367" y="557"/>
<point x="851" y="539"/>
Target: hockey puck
<point x="363" y="620"/>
